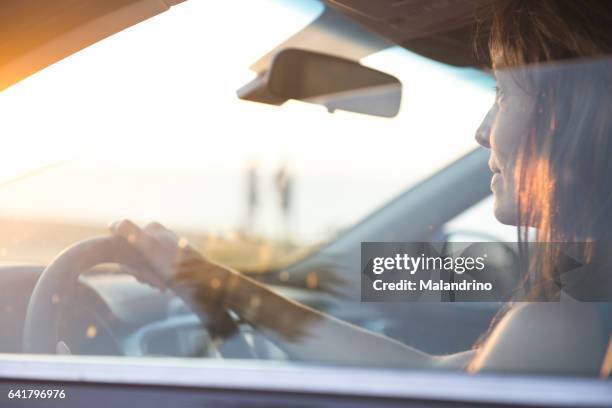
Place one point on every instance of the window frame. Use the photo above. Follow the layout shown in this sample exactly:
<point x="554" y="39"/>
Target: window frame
<point x="282" y="378"/>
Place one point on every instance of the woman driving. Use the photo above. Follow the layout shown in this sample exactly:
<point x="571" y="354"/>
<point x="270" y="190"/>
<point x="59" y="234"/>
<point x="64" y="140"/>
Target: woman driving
<point x="550" y="140"/>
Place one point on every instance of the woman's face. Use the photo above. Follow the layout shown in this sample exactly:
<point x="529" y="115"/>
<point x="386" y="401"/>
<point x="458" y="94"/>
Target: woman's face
<point x="503" y="130"/>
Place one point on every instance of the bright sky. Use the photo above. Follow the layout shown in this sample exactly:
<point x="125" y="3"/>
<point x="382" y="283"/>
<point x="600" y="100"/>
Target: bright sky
<point x="153" y="129"/>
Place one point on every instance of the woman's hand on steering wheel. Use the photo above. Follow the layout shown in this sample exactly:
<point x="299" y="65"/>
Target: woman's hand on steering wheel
<point x="175" y="264"/>
<point x="173" y="260"/>
<point x="163" y="249"/>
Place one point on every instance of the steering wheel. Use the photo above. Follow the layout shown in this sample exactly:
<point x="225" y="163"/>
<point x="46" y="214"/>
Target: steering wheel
<point x="57" y="285"/>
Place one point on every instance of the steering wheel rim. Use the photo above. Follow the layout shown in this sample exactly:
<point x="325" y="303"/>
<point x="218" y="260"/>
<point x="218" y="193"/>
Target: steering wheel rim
<point x="57" y="285"/>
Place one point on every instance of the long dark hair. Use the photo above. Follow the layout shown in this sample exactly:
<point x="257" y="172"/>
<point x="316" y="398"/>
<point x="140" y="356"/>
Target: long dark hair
<point x="558" y="51"/>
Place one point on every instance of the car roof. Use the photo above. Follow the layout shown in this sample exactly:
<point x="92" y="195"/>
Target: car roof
<point x="441" y="30"/>
<point x="37" y="33"/>
<point x="438" y="29"/>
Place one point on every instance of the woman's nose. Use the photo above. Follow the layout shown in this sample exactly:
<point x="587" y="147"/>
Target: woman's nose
<point x="483" y="134"/>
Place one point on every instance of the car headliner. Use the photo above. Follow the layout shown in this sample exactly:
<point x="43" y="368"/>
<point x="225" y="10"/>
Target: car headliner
<point x="438" y="29"/>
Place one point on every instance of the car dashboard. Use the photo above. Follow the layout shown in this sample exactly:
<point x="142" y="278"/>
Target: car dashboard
<point x="114" y="314"/>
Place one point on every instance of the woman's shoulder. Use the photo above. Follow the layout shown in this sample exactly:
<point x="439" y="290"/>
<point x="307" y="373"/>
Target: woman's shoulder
<point x="556" y="337"/>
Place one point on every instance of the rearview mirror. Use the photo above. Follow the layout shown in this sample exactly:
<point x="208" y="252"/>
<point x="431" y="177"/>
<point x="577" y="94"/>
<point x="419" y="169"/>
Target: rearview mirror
<point x="327" y="80"/>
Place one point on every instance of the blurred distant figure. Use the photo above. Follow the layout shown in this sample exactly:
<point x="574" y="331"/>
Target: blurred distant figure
<point x="284" y="188"/>
<point x="252" y="197"/>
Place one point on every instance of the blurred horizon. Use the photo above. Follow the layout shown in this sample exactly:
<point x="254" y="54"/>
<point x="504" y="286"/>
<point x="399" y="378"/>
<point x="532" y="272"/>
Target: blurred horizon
<point x="146" y="125"/>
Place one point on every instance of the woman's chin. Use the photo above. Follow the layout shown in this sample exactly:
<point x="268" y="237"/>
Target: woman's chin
<point x="504" y="213"/>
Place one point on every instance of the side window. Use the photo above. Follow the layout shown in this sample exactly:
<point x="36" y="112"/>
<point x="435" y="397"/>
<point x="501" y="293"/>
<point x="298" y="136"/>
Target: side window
<point x="478" y="223"/>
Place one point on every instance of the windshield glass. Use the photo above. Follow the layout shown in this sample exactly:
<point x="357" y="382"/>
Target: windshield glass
<point x="146" y="125"/>
<point x="288" y="232"/>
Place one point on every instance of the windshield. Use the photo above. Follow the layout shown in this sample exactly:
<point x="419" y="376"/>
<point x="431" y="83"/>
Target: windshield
<point x="146" y="125"/>
<point x="149" y="209"/>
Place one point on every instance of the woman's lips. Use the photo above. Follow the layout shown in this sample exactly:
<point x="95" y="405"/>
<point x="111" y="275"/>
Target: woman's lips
<point x="496" y="174"/>
<point x="493" y="167"/>
<point x="495" y="179"/>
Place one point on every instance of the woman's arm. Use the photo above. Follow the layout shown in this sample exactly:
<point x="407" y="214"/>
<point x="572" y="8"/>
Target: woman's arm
<point x="302" y="332"/>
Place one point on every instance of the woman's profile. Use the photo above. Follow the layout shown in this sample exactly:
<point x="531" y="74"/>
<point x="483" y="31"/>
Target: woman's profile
<point x="550" y="138"/>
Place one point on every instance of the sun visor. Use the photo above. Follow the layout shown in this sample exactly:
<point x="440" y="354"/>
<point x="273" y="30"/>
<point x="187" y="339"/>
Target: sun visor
<point x="37" y="33"/>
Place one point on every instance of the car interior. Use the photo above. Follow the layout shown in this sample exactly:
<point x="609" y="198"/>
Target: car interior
<point x="85" y="296"/>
